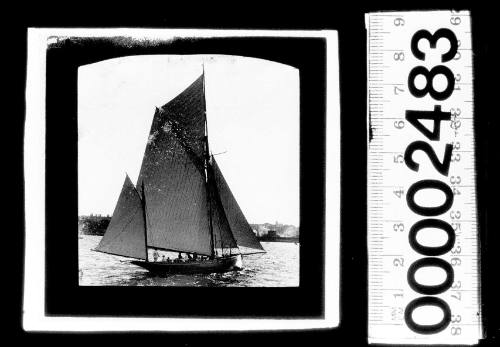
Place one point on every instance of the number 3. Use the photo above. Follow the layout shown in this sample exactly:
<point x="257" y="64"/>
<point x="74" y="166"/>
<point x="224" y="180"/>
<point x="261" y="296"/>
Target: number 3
<point x="433" y="39"/>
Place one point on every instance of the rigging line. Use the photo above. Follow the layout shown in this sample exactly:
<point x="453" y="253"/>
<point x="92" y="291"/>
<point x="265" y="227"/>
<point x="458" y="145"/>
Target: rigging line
<point x="219" y="153"/>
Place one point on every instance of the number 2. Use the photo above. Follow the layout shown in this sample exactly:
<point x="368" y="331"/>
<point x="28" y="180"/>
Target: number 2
<point x="441" y="167"/>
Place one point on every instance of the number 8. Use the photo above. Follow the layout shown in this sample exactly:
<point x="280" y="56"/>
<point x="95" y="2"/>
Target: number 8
<point x="429" y="76"/>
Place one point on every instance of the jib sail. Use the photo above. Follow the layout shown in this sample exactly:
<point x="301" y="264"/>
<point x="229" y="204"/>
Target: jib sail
<point x="240" y="228"/>
<point x="125" y="233"/>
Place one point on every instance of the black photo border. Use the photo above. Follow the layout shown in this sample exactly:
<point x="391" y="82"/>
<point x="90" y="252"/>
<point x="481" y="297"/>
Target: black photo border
<point x="63" y="59"/>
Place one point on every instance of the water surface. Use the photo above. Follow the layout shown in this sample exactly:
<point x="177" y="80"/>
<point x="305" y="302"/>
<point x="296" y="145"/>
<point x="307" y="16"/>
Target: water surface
<point x="279" y="267"/>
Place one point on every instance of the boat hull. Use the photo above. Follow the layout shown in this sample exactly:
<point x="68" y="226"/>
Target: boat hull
<point x="225" y="264"/>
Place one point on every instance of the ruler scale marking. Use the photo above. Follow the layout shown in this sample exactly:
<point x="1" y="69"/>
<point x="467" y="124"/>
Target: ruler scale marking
<point x="390" y="60"/>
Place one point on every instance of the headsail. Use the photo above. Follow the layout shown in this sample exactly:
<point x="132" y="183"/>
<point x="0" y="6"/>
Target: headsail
<point x="221" y="228"/>
<point x="240" y="228"/>
<point x="174" y="176"/>
<point x="125" y="233"/>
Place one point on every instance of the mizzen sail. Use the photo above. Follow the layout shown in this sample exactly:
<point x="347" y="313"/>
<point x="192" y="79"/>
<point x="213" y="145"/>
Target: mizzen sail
<point x="125" y="233"/>
<point x="240" y="228"/>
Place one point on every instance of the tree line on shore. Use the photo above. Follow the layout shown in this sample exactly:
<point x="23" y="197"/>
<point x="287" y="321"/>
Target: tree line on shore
<point x="93" y="224"/>
<point x="97" y="225"/>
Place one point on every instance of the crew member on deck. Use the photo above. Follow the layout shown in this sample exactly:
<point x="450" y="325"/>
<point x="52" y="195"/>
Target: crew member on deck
<point x="155" y="255"/>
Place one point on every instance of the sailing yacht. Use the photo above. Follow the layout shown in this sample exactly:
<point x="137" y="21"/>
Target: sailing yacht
<point x="181" y="201"/>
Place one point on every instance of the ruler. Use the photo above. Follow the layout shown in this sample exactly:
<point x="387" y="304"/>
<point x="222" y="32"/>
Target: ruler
<point x="423" y="255"/>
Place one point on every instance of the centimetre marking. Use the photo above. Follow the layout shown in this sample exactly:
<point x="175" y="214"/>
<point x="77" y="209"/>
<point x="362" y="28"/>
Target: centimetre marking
<point x="379" y="35"/>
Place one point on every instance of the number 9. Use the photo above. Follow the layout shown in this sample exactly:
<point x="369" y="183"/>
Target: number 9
<point x="399" y="22"/>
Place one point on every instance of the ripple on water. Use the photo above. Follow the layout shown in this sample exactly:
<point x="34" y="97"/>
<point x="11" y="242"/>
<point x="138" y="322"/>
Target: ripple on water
<point x="279" y="267"/>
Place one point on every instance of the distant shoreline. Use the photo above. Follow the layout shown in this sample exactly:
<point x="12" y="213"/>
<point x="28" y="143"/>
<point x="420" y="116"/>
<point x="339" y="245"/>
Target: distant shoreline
<point x="97" y="224"/>
<point x="278" y="239"/>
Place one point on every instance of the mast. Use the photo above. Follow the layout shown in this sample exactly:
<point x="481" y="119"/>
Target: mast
<point x="143" y="203"/>
<point x="207" y="161"/>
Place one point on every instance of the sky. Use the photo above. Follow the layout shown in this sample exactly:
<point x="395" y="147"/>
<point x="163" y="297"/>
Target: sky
<point x="252" y="112"/>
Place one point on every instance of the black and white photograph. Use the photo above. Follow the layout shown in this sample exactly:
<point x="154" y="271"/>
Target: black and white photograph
<point x="215" y="166"/>
<point x="191" y="181"/>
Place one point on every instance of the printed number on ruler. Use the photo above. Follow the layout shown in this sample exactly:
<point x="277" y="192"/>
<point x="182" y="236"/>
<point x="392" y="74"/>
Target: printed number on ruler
<point x="422" y="233"/>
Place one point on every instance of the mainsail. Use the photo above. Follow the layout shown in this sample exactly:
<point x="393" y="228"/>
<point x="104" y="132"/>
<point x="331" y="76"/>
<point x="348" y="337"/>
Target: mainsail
<point x="176" y="197"/>
<point x="189" y="207"/>
<point x="185" y="116"/>
<point x="125" y="233"/>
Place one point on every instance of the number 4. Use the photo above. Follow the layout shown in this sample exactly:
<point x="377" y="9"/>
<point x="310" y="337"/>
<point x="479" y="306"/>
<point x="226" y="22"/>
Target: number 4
<point x="437" y="116"/>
